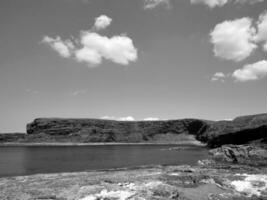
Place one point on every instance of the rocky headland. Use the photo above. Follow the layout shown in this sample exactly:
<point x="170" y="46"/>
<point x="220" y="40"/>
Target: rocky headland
<point x="241" y="130"/>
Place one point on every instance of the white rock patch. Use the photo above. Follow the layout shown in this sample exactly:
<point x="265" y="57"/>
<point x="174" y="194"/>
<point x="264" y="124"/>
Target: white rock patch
<point x="104" y="194"/>
<point x="251" y="185"/>
<point x="174" y="174"/>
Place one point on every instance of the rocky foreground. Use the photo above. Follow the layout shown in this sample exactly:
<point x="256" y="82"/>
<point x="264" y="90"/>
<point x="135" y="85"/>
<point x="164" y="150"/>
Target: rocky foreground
<point x="204" y="182"/>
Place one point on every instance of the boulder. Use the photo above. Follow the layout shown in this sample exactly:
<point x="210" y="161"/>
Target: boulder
<point x="241" y="154"/>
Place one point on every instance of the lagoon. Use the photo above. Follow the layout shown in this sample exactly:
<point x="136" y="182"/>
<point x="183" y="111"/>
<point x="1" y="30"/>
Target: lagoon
<point x="27" y="160"/>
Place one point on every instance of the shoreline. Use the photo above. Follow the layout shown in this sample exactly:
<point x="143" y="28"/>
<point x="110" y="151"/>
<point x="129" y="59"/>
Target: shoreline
<point x="192" y="143"/>
<point x="153" y="182"/>
<point x="101" y="170"/>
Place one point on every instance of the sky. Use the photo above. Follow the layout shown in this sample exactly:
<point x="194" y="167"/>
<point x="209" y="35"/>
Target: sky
<point x="131" y="59"/>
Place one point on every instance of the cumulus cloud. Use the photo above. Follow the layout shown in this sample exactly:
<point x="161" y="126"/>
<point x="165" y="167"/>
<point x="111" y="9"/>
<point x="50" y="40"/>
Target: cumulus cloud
<point x="119" y="49"/>
<point x="248" y="1"/>
<point x="218" y="76"/>
<point x="64" y="48"/>
<point x="151" y="119"/>
<point x="102" y="22"/>
<point x="210" y="3"/>
<point x="265" y="46"/>
<point x="128" y="118"/>
<point x="251" y="72"/>
<point x="262" y="30"/>
<point x="108" y="117"/>
<point x="89" y="56"/>
<point x="151" y="4"/>
<point x="91" y="47"/>
<point x="234" y="40"/>
<point x="220" y="3"/>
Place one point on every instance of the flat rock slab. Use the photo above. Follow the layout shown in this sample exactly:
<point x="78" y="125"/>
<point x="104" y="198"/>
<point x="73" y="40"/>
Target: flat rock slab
<point x="154" y="183"/>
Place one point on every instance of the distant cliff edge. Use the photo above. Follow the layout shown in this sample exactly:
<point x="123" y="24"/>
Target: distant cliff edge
<point x="241" y="130"/>
<point x="96" y="130"/>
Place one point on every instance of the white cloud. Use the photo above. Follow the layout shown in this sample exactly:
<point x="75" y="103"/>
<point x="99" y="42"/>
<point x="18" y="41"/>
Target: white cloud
<point x="62" y="47"/>
<point x="128" y="118"/>
<point x="262" y="30"/>
<point x="119" y="49"/>
<point x="251" y="72"/>
<point x="89" y="56"/>
<point x="91" y="48"/>
<point x="108" y="117"/>
<point x="234" y="40"/>
<point x="218" y="76"/>
<point x="265" y="46"/>
<point x="151" y="119"/>
<point x="210" y="3"/>
<point x="151" y="4"/>
<point x="102" y="22"/>
<point x="248" y="1"/>
<point x="220" y="3"/>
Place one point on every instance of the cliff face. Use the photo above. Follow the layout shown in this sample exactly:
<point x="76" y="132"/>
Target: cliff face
<point x="241" y="130"/>
<point x="95" y="130"/>
<point x="11" y="137"/>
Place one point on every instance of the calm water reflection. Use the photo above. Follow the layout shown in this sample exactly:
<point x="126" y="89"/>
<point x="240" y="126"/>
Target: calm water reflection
<point x="49" y="159"/>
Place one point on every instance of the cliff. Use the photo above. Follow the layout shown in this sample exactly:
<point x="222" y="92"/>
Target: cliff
<point x="241" y="130"/>
<point x="96" y="130"/>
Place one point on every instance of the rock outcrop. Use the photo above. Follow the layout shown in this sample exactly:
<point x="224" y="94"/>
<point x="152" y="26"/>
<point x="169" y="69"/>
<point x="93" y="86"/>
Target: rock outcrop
<point x="241" y="130"/>
<point x="96" y="130"/>
<point x="241" y="154"/>
<point x="11" y="137"/>
<point x="157" y="183"/>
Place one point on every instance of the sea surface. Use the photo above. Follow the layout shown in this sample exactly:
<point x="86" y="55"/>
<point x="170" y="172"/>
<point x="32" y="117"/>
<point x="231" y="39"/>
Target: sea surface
<point x="26" y="160"/>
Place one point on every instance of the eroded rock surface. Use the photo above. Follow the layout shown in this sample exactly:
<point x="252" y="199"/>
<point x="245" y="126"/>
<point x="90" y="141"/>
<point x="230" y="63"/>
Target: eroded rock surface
<point x="241" y="130"/>
<point x="241" y="154"/>
<point x="96" y="130"/>
<point x="157" y="183"/>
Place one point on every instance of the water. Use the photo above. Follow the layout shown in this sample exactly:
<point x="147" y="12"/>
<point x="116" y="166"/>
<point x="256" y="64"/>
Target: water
<point x="25" y="160"/>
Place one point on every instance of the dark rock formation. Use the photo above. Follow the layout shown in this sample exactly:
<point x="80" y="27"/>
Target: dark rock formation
<point x="241" y="154"/>
<point x="96" y="130"/>
<point x="10" y="137"/>
<point x="241" y="130"/>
